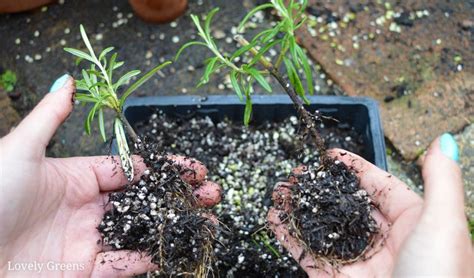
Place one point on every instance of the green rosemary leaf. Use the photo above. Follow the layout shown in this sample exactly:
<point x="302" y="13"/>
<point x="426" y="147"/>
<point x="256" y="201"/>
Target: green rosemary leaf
<point x="235" y="84"/>
<point x="248" y="110"/>
<point x="79" y="53"/>
<point x="260" y="79"/>
<point x="207" y="22"/>
<point x="251" y="13"/>
<point x="104" y="53"/>
<point x="306" y="68"/>
<point x="186" y="46"/>
<point x="140" y="82"/>
<point x="125" y="78"/>
<point x="102" y="125"/>
<point x="87" y="42"/>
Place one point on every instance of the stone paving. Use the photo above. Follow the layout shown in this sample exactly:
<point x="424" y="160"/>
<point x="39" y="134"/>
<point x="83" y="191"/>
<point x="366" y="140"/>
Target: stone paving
<point x="415" y="57"/>
<point x="465" y="140"/>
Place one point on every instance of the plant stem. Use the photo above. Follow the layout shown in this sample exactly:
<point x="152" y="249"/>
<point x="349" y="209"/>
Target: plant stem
<point x="136" y="140"/>
<point x="306" y="117"/>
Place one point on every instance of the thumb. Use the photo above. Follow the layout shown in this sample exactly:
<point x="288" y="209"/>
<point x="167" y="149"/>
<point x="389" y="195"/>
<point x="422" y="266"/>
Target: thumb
<point x="444" y="192"/>
<point x="41" y="124"/>
<point x="440" y="243"/>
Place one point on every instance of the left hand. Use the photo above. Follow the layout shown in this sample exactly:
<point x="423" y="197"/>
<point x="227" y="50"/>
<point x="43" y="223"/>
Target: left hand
<point x="50" y="208"/>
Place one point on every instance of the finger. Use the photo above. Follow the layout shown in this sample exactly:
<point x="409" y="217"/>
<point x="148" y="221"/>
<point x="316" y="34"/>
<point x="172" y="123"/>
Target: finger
<point x="391" y="195"/>
<point x="296" y="173"/>
<point x="292" y="245"/>
<point x="442" y="229"/>
<point x="444" y="201"/>
<point x="110" y="176"/>
<point x="282" y="196"/>
<point x="379" y="239"/>
<point x="444" y="192"/>
<point x="40" y="125"/>
<point x="208" y="194"/>
<point x="121" y="263"/>
<point x="192" y="171"/>
<point x="106" y="170"/>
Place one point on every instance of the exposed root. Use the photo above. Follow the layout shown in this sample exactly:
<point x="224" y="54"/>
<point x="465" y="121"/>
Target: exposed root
<point x="331" y="216"/>
<point x="157" y="216"/>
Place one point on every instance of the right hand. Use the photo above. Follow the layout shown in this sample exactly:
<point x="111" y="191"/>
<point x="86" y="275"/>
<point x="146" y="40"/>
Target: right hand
<point x="426" y="237"/>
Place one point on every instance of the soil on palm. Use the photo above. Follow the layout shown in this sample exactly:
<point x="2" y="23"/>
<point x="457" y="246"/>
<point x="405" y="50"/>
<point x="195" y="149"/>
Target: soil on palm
<point x="157" y="216"/>
<point x="331" y="213"/>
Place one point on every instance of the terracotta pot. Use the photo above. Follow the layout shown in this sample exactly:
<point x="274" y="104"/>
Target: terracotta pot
<point x="158" y="11"/>
<point x="15" y="6"/>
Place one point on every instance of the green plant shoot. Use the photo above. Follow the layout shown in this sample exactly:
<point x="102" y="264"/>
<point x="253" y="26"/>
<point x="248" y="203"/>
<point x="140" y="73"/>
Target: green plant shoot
<point x="245" y="75"/>
<point x="101" y="88"/>
<point x="8" y="80"/>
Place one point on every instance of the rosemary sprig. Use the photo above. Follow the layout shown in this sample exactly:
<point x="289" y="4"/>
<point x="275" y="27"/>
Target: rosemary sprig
<point x="98" y="87"/>
<point x="244" y="76"/>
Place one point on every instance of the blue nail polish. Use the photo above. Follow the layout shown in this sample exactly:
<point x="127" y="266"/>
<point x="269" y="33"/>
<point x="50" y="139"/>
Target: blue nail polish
<point x="59" y="83"/>
<point x="449" y="147"/>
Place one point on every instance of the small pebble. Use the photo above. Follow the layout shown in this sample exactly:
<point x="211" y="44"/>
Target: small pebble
<point x="28" y="59"/>
<point x="148" y="54"/>
<point x="218" y="34"/>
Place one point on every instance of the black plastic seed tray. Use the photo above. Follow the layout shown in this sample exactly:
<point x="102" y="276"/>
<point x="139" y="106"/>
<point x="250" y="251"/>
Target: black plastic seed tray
<point x="361" y="113"/>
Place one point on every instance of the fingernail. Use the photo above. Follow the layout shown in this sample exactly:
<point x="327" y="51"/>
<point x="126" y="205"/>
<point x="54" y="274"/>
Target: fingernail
<point x="449" y="147"/>
<point x="59" y="83"/>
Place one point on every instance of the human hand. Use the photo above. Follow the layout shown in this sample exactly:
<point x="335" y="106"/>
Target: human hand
<point x="50" y="208"/>
<point x="421" y="237"/>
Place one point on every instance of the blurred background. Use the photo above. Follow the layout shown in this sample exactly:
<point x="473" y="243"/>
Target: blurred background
<point x="414" y="57"/>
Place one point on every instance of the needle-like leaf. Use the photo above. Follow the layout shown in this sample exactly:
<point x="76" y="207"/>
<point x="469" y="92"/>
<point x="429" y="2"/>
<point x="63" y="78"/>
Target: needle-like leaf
<point x="186" y="46"/>
<point x="86" y="41"/>
<point x="252" y="12"/>
<point x="141" y="81"/>
<point x="235" y="84"/>
<point x="102" y="125"/>
<point x="260" y="79"/>
<point x="248" y="110"/>
<point x="104" y="53"/>
<point x="79" y="53"/>
<point x="244" y="72"/>
<point x="125" y="78"/>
